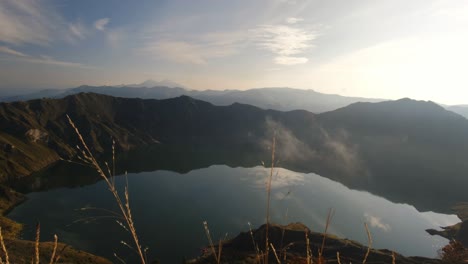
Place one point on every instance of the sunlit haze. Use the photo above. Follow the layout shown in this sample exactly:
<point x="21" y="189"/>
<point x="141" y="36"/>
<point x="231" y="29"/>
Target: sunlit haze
<point x="379" y="49"/>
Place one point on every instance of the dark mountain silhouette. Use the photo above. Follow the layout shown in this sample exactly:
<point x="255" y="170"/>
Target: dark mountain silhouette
<point x="276" y="98"/>
<point x="283" y="99"/>
<point x="405" y="150"/>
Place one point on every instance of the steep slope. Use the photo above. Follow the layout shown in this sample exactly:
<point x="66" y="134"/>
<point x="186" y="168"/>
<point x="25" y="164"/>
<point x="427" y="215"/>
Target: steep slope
<point x="36" y="133"/>
<point x="412" y="148"/>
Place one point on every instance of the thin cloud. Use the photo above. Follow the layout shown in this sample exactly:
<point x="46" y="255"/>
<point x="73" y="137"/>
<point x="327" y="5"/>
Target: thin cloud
<point x="176" y="51"/>
<point x="101" y="24"/>
<point x="49" y="60"/>
<point x="293" y="20"/>
<point x="116" y="37"/>
<point x="376" y="222"/>
<point x="43" y="59"/>
<point x="289" y="60"/>
<point x="286" y="42"/>
<point x="36" y="22"/>
<point x="197" y="50"/>
<point x="26" y="21"/>
<point x="78" y="30"/>
<point x="4" y="49"/>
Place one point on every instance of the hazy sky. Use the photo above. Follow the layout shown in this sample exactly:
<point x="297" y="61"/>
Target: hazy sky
<point x="385" y="49"/>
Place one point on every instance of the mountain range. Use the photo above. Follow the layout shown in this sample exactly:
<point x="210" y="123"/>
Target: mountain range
<point x="405" y="150"/>
<point x="279" y="98"/>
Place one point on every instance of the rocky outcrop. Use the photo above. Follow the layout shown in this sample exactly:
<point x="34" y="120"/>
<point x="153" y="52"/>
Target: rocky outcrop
<point x="459" y="231"/>
<point x="37" y="135"/>
<point x="290" y="243"/>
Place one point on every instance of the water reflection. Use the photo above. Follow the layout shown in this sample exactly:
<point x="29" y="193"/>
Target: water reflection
<point x="184" y="159"/>
<point x="169" y="208"/>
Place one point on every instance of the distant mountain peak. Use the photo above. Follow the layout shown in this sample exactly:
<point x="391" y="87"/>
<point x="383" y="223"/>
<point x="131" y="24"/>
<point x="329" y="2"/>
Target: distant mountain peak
<point x="150" y="83"/>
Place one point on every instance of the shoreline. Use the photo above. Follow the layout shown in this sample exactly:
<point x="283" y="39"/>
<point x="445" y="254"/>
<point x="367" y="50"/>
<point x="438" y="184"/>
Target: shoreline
<point x="21" y="250"/>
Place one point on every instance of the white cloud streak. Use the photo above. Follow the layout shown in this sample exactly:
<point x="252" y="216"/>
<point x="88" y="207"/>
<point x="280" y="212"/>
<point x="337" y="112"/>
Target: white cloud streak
<point x="198" y="50"/>
<point x="101" y="24"/>
<point x="78" y="30"/>
<point x="286" y="42"/>
<point x="42" y="59"/>
<point x="293" y="20"/>
<point x="49" y="60"/>
<point x="38" y="22"/>
<point x="28" y="21"/>
<point x="4" y="49"/>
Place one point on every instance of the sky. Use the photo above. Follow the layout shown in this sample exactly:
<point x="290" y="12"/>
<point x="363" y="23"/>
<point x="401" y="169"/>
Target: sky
<point x="380" y="49"/>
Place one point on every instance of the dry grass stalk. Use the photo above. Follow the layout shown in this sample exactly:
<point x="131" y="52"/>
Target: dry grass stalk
<point x="393" y="258"/>
<point x="146" y="254"/>
<point x="273" y="146"/>
<point x="308" y="250"/>
<point x="36" y="246"/>
<point x="220" y="247"/>
<point x="330" y="215"/>
<point x="59" y="255"/>
<point x="113" y="161"/>
<point x="283" y="249"/>
<point x="257" y="251"/>
<point x="52" y="258"/>
<point x="124" y="206"/>
<point x="7" y="259"/>
<point x="208" y="236"/>
<point x="119" y="258"/>
<point x="338" y="259"/>
<point x="369" y="245"/>
<point x="274" y="252"/>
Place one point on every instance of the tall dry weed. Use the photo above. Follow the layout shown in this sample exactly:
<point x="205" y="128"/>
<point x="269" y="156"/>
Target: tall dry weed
<point x="270" y="177"/>
<point x="123" y="204"/>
